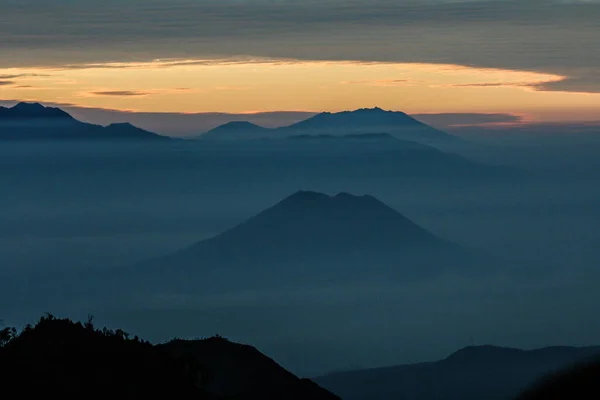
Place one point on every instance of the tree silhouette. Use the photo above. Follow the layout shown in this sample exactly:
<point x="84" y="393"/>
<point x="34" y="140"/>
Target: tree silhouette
<point x="6" y="335"/>
<point x="70" y="359"/>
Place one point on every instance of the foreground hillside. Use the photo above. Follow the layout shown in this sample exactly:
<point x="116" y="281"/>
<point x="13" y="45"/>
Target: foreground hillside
<point x="62" y="358"/>
<point x="239" y="372"/>
<point x="473" y="373"/>
<point x="580" y="382"/>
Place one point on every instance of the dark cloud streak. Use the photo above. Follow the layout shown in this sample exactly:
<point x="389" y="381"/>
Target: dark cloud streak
<point x="120" y="93"/>
<point x="549" y="36"/>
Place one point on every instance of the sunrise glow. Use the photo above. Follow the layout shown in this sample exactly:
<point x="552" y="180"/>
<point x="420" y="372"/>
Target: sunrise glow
<point x="255" y="85"/>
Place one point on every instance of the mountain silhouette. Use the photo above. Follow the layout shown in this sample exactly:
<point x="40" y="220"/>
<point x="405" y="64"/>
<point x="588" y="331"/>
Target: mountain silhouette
<point x="237" y="130"/>
<point x="236" y="371"/>
<point x="29" y="111"/>
<point x="473" y="373"/>
<point x="361" y="121"/>
<point x="59" y="357"/>
<point x="366" y="120"/>
<point x="33" y="121"/>
<point x="307" y="238"/>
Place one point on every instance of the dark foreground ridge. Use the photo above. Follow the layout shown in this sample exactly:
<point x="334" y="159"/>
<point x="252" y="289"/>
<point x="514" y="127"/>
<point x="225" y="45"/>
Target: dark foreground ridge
<point x="240" y="371"/>
<point x="473" y="373"/>
<point x="580" y="382"/>
<point x="59" y="358"/>
<point x="62" y="358"/>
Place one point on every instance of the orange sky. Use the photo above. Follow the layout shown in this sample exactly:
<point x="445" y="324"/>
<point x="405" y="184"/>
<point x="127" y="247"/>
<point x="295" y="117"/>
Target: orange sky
<point x="254" y="85"/>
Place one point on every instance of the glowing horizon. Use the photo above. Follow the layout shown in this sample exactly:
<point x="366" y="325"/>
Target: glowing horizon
<point x="255" y="85"/>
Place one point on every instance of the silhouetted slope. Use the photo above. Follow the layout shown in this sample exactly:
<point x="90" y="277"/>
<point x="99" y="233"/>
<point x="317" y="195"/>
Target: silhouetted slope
<point x="474" y="373"/>
<point x="237" y="130"/>
<point x="63" y="359"/>
<point x="580" y="382"/>
<point x="235" y="371"/>
<point x="32" y="121"/>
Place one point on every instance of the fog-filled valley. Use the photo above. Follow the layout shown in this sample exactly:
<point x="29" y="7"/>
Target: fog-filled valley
<point x="73" y="211"/>
<point x="300" y="200"/>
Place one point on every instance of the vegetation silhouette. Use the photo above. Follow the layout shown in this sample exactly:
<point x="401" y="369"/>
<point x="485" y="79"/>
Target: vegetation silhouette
<point x="59" y="357"/>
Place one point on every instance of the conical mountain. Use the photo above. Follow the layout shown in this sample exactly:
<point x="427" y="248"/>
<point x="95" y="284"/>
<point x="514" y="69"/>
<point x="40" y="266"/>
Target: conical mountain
<point x="307" y="221"/>
<point x="369" y="121"/>
<point x="308" y="237"/>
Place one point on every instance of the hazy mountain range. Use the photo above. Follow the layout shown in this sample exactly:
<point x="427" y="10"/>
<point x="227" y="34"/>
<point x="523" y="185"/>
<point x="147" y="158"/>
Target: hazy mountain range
<point x="34" y="121"/>
<point x="361" y="121"/>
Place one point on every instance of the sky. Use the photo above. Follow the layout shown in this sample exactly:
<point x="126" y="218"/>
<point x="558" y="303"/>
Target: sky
<point x="536" y="60"/>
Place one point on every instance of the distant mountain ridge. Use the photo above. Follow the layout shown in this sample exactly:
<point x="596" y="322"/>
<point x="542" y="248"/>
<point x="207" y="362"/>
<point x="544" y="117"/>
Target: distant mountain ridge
<point x="473" y="373"/>
<point x="33" y="121"/>
<point x="26" y="111"/>
<point x="238" y="130"/>
<point x="361" y="121"/>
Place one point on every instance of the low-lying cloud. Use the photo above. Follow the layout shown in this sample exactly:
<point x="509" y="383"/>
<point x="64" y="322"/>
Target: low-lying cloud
<point x="448" y="120"/>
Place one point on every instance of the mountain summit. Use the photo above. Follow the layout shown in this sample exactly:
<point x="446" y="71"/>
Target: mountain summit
<point x="307" y="238"/>
<point x="368" y="120"/>
<point x="237" y="130"/>
<point x="308" y="225"/>
<point x="361" y="117"/>
<point x="28" y="111"/>
<point x="33" y="121"/>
